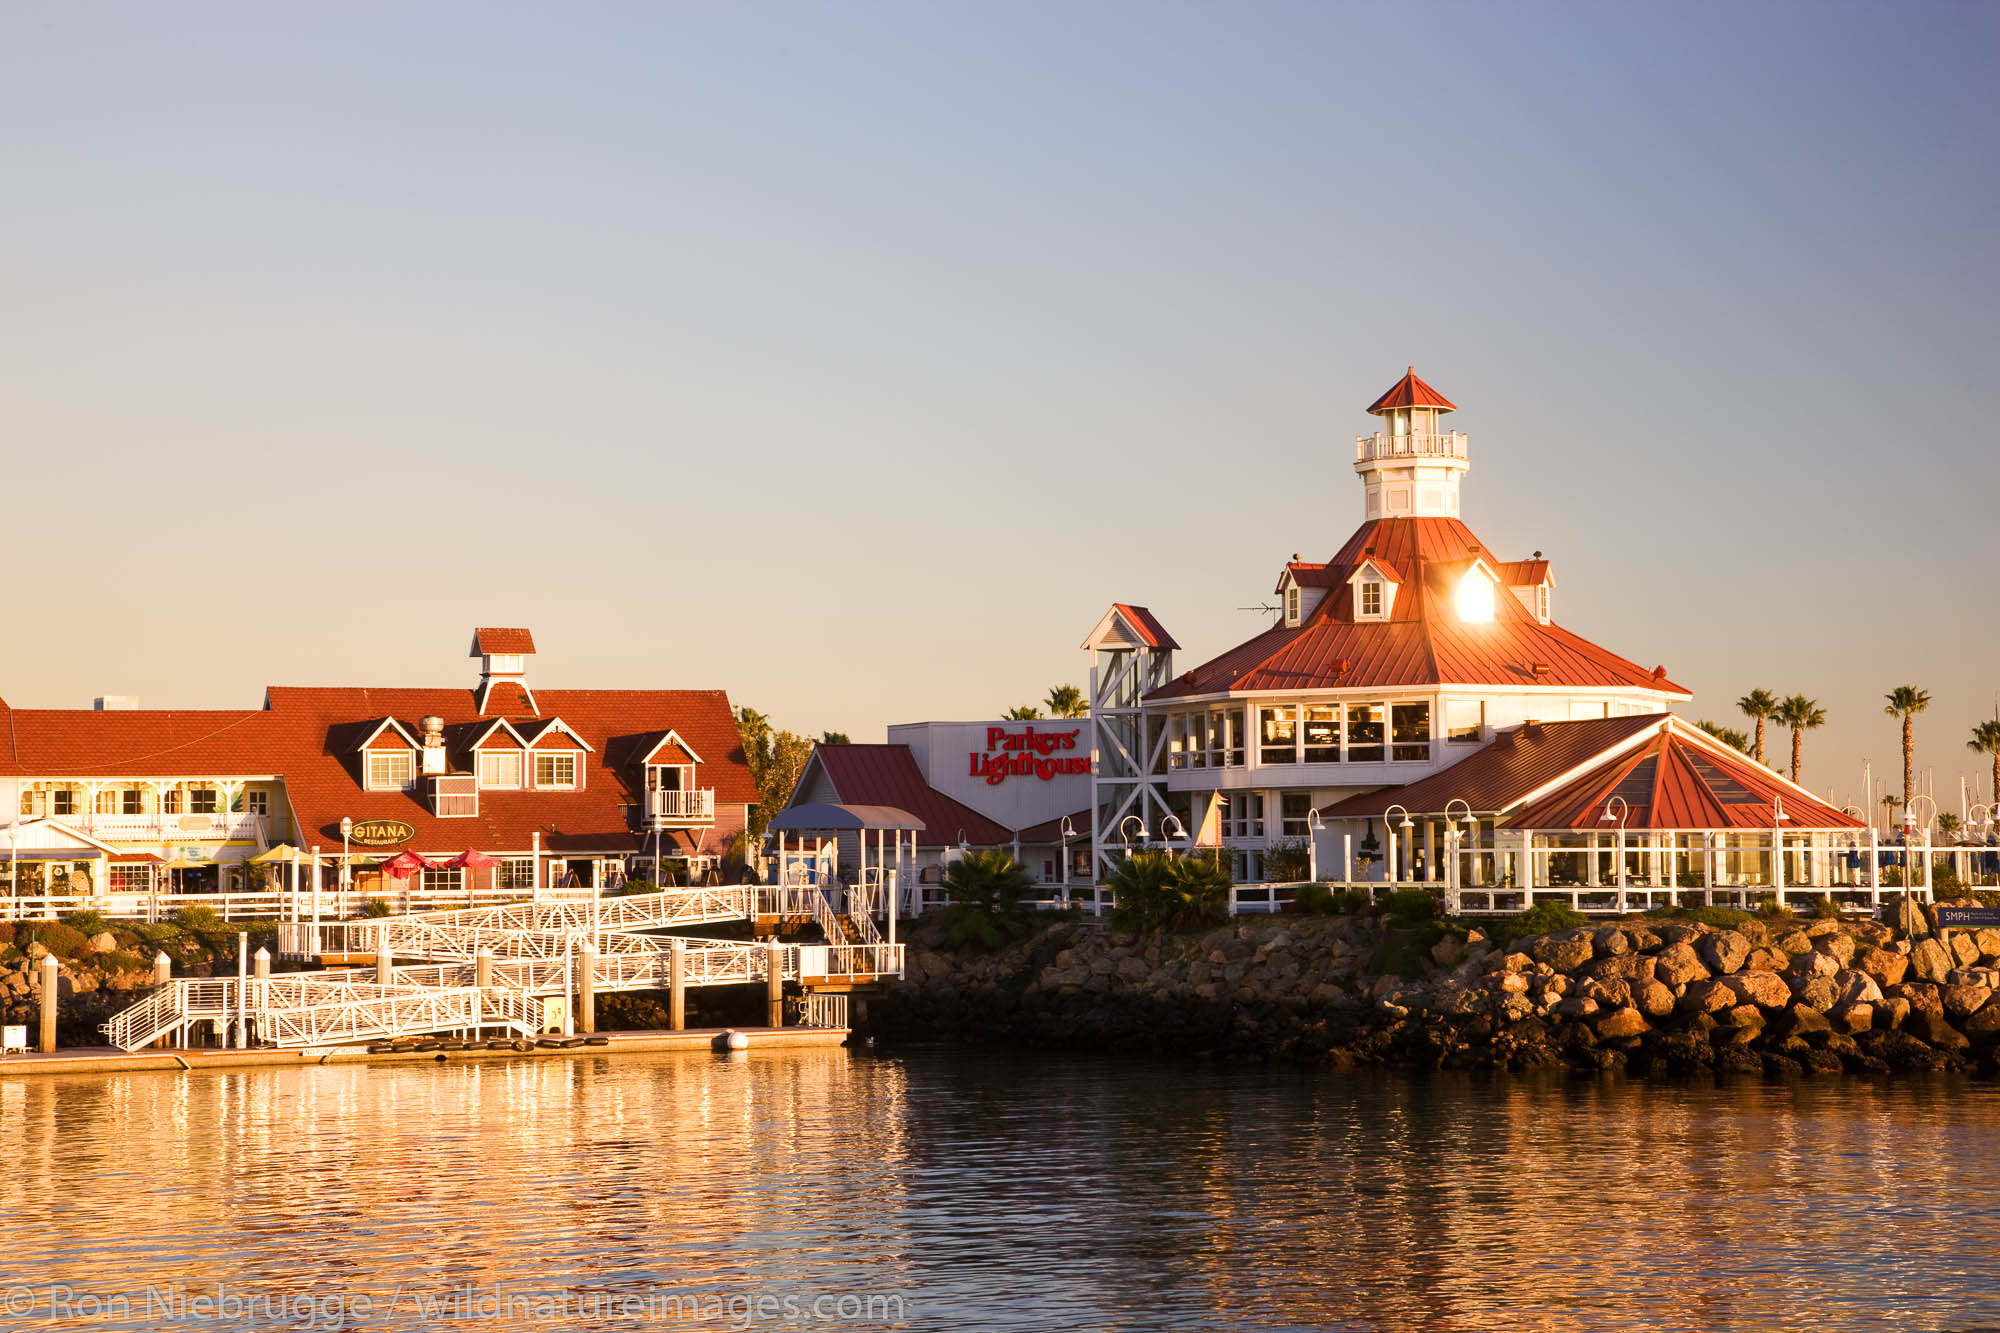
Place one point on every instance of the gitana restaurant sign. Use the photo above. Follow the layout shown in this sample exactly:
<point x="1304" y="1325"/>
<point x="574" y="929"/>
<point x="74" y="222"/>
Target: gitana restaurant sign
<point x="381" y="833"/>
<point x="1027" y="753"/>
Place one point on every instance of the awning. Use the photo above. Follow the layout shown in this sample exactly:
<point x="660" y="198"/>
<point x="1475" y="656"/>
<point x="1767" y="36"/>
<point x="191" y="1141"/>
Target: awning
<point x="816" y="816"/>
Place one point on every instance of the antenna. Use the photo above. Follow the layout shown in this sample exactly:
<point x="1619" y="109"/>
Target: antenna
<point x="1274" y="610"/>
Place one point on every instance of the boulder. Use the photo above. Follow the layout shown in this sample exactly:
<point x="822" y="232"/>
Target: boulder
<point x="1988" y="943"/>
<point x="1754" y="931"/>
<point x="1854" y="1017"/>
<point x="1618" y="1024"/>
<point x="103" y="942"/>
<point x="1983" y="1028"/>
<point x="1565" y="951"/>
<point x="1576" y="1006"/>
<point x="1653" y="999"/>
<point x="1609" y="942"/>
<point x="1794" y="942"/>
<point x="1825" y="926"/>
<point x="1965" y="998"/>
<point x="1813" y="964"/>
<point x="1819" y="992"/>
<point x="1892" y="1012"/>
<point x="1805" y="1018"/>
<point x="1643" y="940"/>
<point x="1887" y="968"/>
<point x="1934" y="1029"/>
<point x="1929" y="960"/>
<point x="1768" y="959"/>
<point x="1724" y="952"/>
<point x="1963" y="949"/>
<point x="1678" y="964"/>
<point x="1840" y="947"/>
<point x="1922" y="996"/>
<point x="1856" y="987"/>
<point x="1907" y="915"/>
<point x="1448" y="951"/>
<point x="1707" y="997"/>
<point x="1681" y="933"/>
<point x="1763" y="989"/>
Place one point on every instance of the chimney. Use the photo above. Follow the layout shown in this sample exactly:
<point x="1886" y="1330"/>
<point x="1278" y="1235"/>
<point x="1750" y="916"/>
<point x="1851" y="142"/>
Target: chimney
<point x="115" y="703"/>
<point x="433" y="744"/>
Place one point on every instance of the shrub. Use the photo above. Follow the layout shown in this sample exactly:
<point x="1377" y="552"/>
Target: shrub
<point x="1767" y="906"/>
<point x="64" y="941"/>
<point x="1321" y="900"/>
<point x="122" y="960"/>
<point x="1722" y="918"/>
<point x="1412" y="905"/>
<point x="6" y="933"/>
<point x="1287" y="862"/>
<point x="986" y="891"/>
<point x="1544" y="918"/>
<point x="1160" y="891"/>
<point x="1825" y="908"/>
<point x="375" y="907"/>
<point x="89" y="922"/>
<point x="200" y="919"/>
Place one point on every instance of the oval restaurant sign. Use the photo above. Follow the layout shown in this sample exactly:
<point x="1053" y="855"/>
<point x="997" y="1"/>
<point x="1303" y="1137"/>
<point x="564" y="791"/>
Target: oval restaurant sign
<point x="381" y="832"/>
<point x="1028" y="753"/>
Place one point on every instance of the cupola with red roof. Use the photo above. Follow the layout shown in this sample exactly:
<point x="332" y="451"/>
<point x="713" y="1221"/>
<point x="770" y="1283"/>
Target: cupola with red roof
<point x="503" y="655"/>
<point x="1411" y="467"/>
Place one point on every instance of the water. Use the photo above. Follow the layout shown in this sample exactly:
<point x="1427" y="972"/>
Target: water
<point x="988" y="1192"/>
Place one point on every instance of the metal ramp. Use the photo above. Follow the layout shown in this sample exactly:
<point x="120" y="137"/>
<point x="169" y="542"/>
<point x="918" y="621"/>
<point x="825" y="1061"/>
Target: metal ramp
<point x="544" y="929"/>
<point x="310" y="1009"/>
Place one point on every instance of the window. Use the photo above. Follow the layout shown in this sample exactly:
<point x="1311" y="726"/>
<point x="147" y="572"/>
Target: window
<point x="1464" y="719"/>
<point x="1411" y="724"/>
<point x="1371" y="598"/>
<point x="1322" y="733"/>
<point x="132" y="801"/>
<point x="107" y="801"/>
<point x="202" y="800"/>
<point x="500" y="768"/>
<point x="131" y="878"/>
<point x="1226" y="731"/>
<point x="555" y="770"/>
<point x="389" y="770"/>
<point x="257" y="802"/>
<point x="444" y="881"/>
<point x="1364" y="733"/>
<point x="515" y="872"/>
<point x="508" y="663"/>
<point x="1542" y="603"/>
<point x="1196" y="743"/>
<point x="1278" y="735"/>
<point x="1243" y="817"/>
<point x="170" y="801"/>
<point x="1294" y="808"/>
<point x="1292" y="605"/>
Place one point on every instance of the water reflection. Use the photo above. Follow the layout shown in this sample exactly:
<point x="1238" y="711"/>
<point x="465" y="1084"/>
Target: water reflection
<point x="1008" y="1193"/>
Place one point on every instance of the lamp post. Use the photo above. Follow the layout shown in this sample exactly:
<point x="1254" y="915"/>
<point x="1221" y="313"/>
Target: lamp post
<point x="1167" y="835"/>
<point x="1406" y="825"/>
<point x="1066" y="832"/>
<point x="1624" y="812"/>
<point x="1910" y="826"/>
<point x="346" y="866"/>
<point x="1453" y="879"/>
<point x="1314" y="827"/>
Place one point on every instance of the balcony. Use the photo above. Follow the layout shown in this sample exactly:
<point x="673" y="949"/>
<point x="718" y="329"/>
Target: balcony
<point x="225" y="826"/>
<point x="672" y="807"/>
<point x="1371" y="448"/>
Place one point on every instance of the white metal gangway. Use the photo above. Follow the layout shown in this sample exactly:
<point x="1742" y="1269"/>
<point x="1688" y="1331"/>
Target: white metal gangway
<point x="546" y="929"/>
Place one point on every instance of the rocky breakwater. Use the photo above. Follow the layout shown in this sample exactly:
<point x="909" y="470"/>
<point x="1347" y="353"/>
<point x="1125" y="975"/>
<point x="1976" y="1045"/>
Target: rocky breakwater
<point x="104" y="968"/>
<point x="1654" y="997"/>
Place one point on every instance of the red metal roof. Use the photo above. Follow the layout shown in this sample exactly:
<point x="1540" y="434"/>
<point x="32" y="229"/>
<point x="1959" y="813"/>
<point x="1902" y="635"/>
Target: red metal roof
<point x="887" y="774"/>
<point x="1148" y="628"/>
<point x="1050" y="830"/>
<point x="486" y="642"/>
<point x="1681" y="779"/>
<point x="1498" y="775"/>
<point x="1423" y="642"/>
<point x="1410" y="391"/>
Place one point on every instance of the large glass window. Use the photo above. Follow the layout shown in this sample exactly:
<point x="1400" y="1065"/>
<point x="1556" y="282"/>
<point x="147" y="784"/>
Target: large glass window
<point x="389" y="770"/>
<point x="500" y="768"/>
<point x="1295" y="808"/>
<point x="1364" y="733"/>
<point x="1464" y="719"/>
<point x="206" y="800"/>
<point x="1412" y="727"/>
<point x="1196" y="744"/>
<point x="129" y="878"/>
<point x="1243" y="817"/>
<point x="555" y="770"/>
<point x="1228" y="737"/>
<point x="1322" y="733"/>
<point x="1278" y="734"/>
<point x="62" y="801"/>
<point x="516" y="872"/>
<point x="444" y="881"/>
<point x="132" y="801"/>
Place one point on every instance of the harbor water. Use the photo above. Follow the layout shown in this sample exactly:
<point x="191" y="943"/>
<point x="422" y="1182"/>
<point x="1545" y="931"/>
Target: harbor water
<point x="945" y="1189"/>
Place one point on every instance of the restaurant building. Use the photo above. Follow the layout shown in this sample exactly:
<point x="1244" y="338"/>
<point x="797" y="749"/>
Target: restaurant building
<point x="543" y="788"/>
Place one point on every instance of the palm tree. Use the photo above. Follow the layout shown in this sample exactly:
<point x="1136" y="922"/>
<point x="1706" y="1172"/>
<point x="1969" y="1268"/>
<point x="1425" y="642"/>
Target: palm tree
<point x="1906" y="701"/>
<point x="1729" y="736"/>
<point x="1023" y="713"/>
<point x="1801" y="715"/>
<point x="1889" y="803"/>
<point x="987" y="891"/>
<point x="1947" y="825"/>
<point x="1067" y="701"/>
<point x="1757" y="706"/>
<point x="1986" y="740"/>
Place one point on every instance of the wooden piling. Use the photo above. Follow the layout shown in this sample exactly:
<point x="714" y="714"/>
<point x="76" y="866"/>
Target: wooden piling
<point x="48" y="1006"/>
<point x="774" y="983"/>
<point x="586" y="986"/>
<point x="677" y="984"/>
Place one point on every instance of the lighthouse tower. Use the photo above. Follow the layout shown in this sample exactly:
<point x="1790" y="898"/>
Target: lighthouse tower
<point x="1411" y="467"/>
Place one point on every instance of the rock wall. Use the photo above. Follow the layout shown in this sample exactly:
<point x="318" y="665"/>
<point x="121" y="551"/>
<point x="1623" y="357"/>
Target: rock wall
<point x="1653" y="997"/>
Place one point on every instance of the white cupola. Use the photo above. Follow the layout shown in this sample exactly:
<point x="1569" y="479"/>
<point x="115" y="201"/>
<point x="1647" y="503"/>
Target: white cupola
<point x="1411" y="467"/>
<point x="503" y="655"/>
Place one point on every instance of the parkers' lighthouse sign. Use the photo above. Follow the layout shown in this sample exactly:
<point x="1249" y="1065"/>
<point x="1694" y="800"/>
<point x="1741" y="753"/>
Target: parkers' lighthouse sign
<point x="1028" y="753"/>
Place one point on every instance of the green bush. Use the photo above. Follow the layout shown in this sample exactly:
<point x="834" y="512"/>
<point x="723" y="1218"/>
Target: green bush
<point x="375" y="907"/>
<point x="1160" y="891"/>
<point x="1825" y="908"/>
<point x="1412" y="905"/>
<point x="987" y="890"/>
<point x="200" y="919"/>
<point x="1287" y="862"/>
<point x="89" y="922"/>
<point x="1544" y="918"/>
<point x="1322" y="900"/>
<point x="64" y="941"/>
<point x="122" y="960"/>
<point x="1722" y="918"/>
<point x="1767" y="906"/>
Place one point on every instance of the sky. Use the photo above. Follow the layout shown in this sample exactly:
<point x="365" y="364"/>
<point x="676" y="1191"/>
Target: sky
<point x="854" y="357"/>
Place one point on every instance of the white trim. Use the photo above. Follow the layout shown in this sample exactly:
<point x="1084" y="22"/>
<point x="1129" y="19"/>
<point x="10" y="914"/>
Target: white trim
<point x="414" y="743"/>
<point x="552" y="725"/>
<point x="646" y="760"/>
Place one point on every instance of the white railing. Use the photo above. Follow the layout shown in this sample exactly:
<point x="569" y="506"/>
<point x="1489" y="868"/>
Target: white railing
<point x="822" y="1011"/>
<point x="850" y="960"/>
<point x="1451" y="444"/>
<point x="696" y="806"/>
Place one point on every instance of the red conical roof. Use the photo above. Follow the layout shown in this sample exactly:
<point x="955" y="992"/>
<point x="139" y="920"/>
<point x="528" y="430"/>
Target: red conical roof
<point x="1410" y="391"/>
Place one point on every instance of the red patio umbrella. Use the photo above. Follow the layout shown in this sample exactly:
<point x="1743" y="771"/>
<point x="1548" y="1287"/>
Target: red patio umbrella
<point x="471" y="860"/>
<point x="404" y="864"/>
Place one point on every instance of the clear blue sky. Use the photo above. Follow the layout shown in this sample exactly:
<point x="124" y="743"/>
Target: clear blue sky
<point x="853" y="357"/>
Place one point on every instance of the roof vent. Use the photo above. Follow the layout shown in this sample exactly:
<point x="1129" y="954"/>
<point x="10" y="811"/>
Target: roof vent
<point x="1367" y="550"/>
<point x="1539" y="668"/>
<point x="1340" y="666"/>
<point x="115" y="703"/>
<point x="433" y="728"/>
<point x="1532" y="729"/>
<point x="1659" y="673"/>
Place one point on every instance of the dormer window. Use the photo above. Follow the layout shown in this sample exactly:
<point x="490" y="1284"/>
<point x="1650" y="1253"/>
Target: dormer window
<point x="1292" y="605"/>
<point x="1542" y="603"/>
<point x="556" y="770"/>
<point x="500" y="770"/>
<point x="390" y="770"/>
<point x="1473" y="598"/>
<point x="1371" y="603"/>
